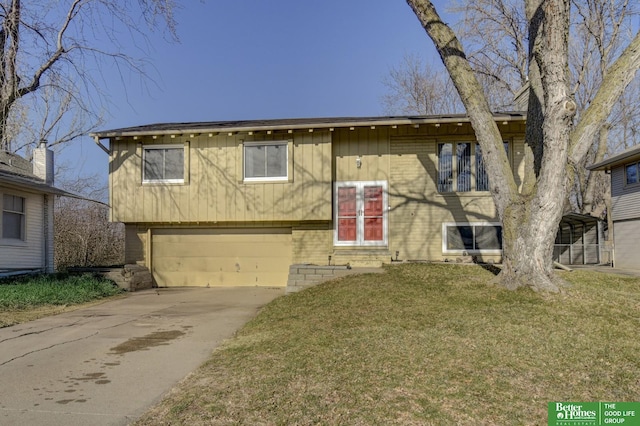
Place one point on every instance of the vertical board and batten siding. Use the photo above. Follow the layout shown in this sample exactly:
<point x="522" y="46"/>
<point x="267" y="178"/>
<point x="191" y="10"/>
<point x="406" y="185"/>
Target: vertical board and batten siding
<point x="214" y="190"/>
<point x="216" y="196"/>
<point x="29" y="253"/>
<point x="370" y="146"/>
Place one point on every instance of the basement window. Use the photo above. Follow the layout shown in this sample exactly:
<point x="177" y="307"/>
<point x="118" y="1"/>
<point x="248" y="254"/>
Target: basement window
<point x="163" y="164"/>
<point x="471" y="238"/>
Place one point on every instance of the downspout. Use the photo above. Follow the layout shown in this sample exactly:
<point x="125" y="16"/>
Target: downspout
<point x="46" y="234"/>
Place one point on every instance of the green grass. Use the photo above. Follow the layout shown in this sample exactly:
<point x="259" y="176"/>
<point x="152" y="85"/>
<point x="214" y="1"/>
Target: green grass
<point x="26" y="298"/>
<point x="420" y="344"/>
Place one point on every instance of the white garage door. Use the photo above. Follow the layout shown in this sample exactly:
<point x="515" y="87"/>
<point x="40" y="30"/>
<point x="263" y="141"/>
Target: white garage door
<point x="220" y="257"/>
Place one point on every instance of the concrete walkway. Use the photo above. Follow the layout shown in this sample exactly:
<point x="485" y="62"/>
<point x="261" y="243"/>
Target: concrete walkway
<point x="608" y="270"/>
<point x="105" y="365"/>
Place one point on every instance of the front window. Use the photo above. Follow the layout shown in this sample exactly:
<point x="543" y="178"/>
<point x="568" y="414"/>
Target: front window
<point x="13" y="212"/>
<point x="482" y="178"/>
<point x="631" y="170"/>
<point x="163" y="163"/>
<point x="265" y="161"/>
<point x="471" y="238"/>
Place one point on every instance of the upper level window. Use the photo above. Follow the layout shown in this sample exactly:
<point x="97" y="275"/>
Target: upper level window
<point x="265" y="161"/>
<point x="454" y="167"/>
<point x="631" y="170"/>
<point x="163" y="163"/>
<point x="482" y="178"/>
<point x="13" y="212"/>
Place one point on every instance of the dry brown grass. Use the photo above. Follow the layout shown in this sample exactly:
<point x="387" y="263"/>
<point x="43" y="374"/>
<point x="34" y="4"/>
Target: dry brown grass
<point x="423" y="345"/>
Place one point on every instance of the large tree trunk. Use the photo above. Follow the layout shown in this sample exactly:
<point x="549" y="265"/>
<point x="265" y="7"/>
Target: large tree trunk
<point x="528" y="243"/>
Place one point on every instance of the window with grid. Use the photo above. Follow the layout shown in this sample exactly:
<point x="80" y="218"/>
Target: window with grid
<point x="482" y="178"/>
<point x="13" y="217"/>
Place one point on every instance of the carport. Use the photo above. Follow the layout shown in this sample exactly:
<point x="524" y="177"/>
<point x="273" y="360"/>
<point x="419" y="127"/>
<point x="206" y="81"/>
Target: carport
<point x="578" y="241"/>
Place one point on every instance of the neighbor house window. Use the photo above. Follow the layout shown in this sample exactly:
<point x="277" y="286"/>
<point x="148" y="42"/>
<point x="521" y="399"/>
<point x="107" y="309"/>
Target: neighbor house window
<point x="471" y="238"/>
<point x="13" y="212"/>
<point x="163" y="163"/>
<point x="265" y="161"/>
<point x="631" y="170"/>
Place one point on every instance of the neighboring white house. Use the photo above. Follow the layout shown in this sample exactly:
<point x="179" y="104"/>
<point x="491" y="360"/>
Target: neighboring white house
<point x="26" y="204"/>
<point x="625" y="205"/>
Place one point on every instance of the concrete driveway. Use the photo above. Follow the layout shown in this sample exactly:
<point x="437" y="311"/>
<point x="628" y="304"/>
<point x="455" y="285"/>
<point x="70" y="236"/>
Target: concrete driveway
<point x="105" y="365"/>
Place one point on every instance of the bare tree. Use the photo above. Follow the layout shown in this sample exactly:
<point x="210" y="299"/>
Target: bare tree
<point x="417" y="88"/>
<point x="49" y="53"/>
<point x="83" y="234"/>
<point x="496" y="35"/>
<point x="556" y="142"/>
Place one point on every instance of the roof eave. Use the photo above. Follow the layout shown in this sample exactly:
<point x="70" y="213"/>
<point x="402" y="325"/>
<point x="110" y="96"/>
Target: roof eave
<point x="505" y="117"/>
<point x="616" y="160"/>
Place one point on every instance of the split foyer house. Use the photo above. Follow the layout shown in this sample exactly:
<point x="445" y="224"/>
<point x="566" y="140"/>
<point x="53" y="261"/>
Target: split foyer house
<point x="26" y="202"/>
<point x="625" y="205"/>
<point x="238" y="202"/>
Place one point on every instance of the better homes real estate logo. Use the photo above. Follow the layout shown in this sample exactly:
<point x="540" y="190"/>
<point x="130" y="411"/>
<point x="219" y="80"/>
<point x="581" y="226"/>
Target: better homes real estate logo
<point x="594" y="413"/>
<point x="574" y="413"/>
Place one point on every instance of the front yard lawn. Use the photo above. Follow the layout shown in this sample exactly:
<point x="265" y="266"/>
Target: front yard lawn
<point x="421" y="344"/>
<point x="27" y="298"/>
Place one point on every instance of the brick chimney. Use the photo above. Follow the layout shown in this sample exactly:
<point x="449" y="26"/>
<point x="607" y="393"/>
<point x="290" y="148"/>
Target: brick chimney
<point x="43" y="162"/>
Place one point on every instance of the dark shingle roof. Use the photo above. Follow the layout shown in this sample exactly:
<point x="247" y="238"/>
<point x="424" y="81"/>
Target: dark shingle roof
<point x="292" y="123"/>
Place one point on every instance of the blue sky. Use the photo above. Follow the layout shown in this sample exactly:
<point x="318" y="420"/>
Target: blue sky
<point x="253" y="59"/>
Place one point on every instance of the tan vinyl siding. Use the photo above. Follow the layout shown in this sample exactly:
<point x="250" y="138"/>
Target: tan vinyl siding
<point x="625" y="199"/>
<point x="215" y="191"/>
<point x="30" y="252"/>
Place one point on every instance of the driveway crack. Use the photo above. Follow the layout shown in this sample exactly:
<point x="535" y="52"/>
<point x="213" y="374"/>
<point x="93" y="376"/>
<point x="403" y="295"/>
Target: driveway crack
<point x="39" y="331"/>
<point x="48" y="347"/>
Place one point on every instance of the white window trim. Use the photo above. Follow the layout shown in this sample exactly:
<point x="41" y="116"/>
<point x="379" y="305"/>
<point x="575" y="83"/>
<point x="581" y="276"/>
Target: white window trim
<point x="385" y="214"/>
<point x="284" y="143"/>
<point x="161" y="146"/>
<point x="23" y="238"/>
<point x="626" y="178"/>
<point x="474" y="169"/>
<point x="445" y="250"/>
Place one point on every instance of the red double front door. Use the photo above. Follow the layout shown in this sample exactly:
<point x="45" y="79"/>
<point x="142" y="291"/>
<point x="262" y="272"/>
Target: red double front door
<point x="360" y="213"/>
